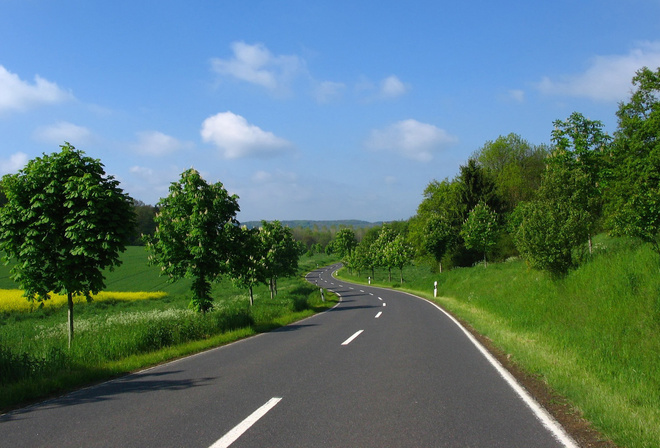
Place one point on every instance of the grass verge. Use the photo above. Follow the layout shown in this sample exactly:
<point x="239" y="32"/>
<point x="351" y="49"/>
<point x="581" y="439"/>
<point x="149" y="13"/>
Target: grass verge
<point x="592" y="337"/>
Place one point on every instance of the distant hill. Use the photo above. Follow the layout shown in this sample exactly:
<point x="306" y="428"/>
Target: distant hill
<point x="309" y="224"/>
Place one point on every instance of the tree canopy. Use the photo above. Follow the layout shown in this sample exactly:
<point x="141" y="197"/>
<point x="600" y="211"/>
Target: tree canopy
<point x="634" y="186"/>
<point x="195" y="235"/>
<point x="65" y="221"/>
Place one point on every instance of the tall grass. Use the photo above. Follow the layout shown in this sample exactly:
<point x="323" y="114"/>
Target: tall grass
<point x="593" y="336"/>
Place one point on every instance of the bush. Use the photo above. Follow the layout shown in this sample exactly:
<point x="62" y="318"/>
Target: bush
<point x="546" y="234"/>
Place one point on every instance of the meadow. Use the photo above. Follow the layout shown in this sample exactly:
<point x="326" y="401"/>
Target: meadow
<point x="593" y="336"/>
<point x="140" y="320"/>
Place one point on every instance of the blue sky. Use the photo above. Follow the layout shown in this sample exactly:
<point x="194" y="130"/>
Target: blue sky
<point x="308" y="109"/>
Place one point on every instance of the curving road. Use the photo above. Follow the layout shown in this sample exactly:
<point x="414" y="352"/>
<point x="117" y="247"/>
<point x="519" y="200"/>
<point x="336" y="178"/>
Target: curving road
<point x="381" y="369"/>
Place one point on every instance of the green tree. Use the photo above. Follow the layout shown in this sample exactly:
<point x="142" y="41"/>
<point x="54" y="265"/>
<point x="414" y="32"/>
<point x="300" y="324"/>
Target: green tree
<point x="546" y="233"/>
<point x="480" y="229"/>
<point x="248" y="261"/>
<point x="344" y="242"/>
<point x="281" y="253"/>
<point x="439" y="235"/>
<point x="443" y="198"/>
<point x="195" y="234"/>
<point x="476" y="185"/>
<point x="397" y="253"/>
<point x="3" y="196"/>
<point x="516" y="167"/>
<point x="65" y="221"/>
<point x="382" y="250"/>
<point x="145" y="224"/>
<point x="633" y="205"/>
<point x="580" y="144"/>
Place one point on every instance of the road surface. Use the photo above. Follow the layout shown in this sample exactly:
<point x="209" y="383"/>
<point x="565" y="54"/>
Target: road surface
<point x="381" y="369"/>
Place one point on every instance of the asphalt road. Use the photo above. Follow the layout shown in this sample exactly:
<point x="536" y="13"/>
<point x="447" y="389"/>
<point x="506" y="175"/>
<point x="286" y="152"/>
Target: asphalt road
<point x="381" y="369"/>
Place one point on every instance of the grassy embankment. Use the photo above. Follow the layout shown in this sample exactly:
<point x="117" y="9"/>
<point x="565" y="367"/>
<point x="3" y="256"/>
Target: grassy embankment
<point x="115" y="335"/>
<point x="593" y="336"/>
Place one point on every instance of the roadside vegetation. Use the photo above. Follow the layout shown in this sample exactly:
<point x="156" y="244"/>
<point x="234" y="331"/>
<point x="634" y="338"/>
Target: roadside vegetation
<point x="593" y="336"/>
<point x="553" y="252"/>
<point x="115" y="336"/>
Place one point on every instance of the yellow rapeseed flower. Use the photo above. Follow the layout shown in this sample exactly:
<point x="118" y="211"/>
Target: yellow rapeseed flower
<point x="13" y="299"/>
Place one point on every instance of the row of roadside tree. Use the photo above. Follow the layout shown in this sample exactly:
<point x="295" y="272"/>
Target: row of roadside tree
<point x="542" y="202"/>
<point x="63" y="221"/>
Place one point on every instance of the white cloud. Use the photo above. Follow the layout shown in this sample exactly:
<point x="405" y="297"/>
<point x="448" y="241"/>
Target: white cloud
<point x="143" y="172"/>
<point x="14" y="163"/>
<point x="149" y="184"/>
<point x="327" y="91"/>
<point x="392" y="87"/>
<point x="608" y="78"/>
<point x="388" y="88"/>
<point x="63" y="131"/>
<point x="279" y="176"/>
<point x="237" y="138"/>
<point x="517" y="95"/>
<point x="257" y="65"/>
<point x="16" y="94"/>
<point x="410" y="139"/>
<point x="272" y="194"/>
<point x="154" y="143"/>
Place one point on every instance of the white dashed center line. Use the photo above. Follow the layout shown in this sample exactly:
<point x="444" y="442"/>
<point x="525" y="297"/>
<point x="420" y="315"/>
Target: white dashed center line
<point x="243" y="426"/>
<point x="349" y="340"/>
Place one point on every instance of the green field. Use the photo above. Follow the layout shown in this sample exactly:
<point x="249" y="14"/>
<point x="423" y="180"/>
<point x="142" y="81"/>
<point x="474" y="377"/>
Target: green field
<point x="593" y="336"/>
<point x="113" y="337"/>
<point x="134" y="274"/>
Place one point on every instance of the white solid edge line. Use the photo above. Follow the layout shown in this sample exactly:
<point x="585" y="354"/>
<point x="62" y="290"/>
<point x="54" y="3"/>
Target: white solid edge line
<point x="349" y="340"/>
<point x="243" y="426"/>
<point x="544" y="417"/>
<point x="541" y="414"/>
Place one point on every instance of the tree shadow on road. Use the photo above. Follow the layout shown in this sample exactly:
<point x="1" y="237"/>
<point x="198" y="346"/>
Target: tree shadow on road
<point x="131" y="384"/>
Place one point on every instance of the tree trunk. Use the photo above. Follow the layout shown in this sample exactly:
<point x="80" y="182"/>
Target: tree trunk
<point x="590" y="245"/>
<point x="271" y="287"/>
<point x="251" y="296"/>
<point x="70" y="317"/>
<point x="485" y="261"/>
<point x="440" y="266"/>
<point x="401" y="274"/>
<point x="373" y="275"/>
<point x="389" y="276"/>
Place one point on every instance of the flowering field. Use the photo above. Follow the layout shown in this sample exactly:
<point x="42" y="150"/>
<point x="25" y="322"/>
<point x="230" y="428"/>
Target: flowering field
<point x="13" y="299"/>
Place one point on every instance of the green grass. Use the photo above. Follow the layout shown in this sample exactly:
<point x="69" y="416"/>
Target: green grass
<point x="134" y="274"/>
<point x="116" y="337"/>
<point x="593" y="336"/>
